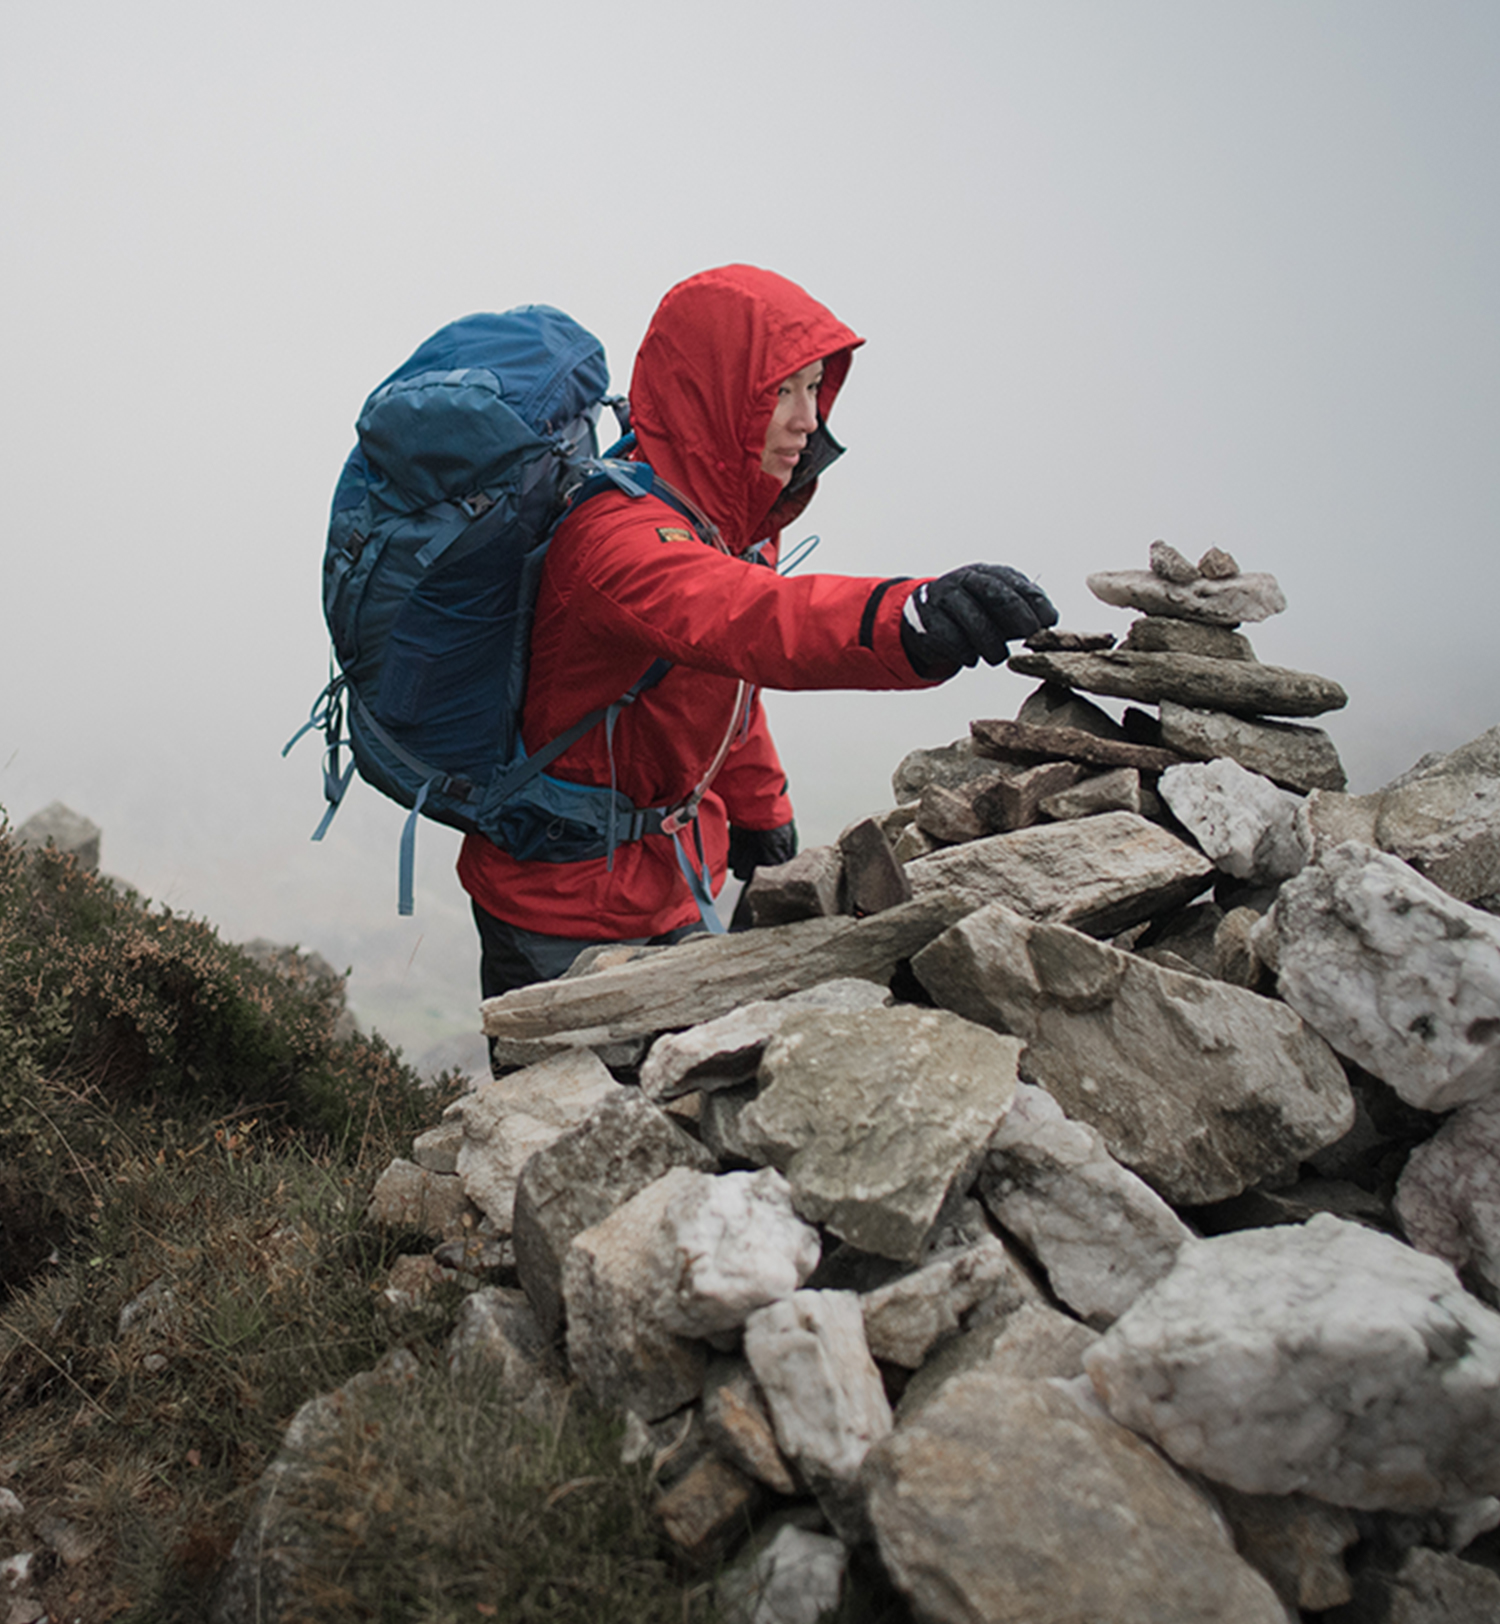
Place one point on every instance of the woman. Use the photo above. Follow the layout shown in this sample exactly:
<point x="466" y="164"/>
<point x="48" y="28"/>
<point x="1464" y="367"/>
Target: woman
<point x="730" y="398"/>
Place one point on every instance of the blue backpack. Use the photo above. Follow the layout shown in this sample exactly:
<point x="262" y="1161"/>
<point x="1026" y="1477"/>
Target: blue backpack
<point x="468" y="456"/>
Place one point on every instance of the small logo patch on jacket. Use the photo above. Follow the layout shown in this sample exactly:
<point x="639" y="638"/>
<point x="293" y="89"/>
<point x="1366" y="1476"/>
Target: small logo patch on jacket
<point x="673" y="533"/>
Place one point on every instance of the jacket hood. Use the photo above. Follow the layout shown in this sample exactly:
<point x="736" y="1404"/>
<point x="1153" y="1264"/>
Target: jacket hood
<point x="704" y="388"/>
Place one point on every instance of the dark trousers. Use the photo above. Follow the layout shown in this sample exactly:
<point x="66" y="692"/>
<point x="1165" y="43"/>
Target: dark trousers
<point x="510" y="957"/>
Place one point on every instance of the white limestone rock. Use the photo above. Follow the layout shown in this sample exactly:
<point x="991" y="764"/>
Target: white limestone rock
<point x="728" y="1244"/>
<point x="809" y="1355"/>
<point x="796" y="1579"/>
<point x="1200" y="1088"/>
<point x="1320" y="1358"/>
<point x="723" y="1053"/>
<point x="507" y="1119"/>
<point x="1448" y="1198"/>
<point x="1395" y="974"/>
<point x="1102" y="1234"/>
<point x="1099" y="874"/>
<point x="874" y="1115"/>
<point x="1016" y="1502"/>
<point x="1245" y="825"/>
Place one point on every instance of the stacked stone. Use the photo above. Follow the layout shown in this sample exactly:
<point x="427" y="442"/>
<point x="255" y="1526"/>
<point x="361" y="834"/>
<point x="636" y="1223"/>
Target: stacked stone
<point x="1186" y="656"/>
<point x="1000" y="1207"/>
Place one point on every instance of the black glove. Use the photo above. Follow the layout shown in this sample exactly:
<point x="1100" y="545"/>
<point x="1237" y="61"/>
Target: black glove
<point x="970" y="614"/>
<point x="750" y="849"/>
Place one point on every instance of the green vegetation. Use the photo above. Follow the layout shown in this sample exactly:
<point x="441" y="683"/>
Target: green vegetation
<point x="187" y="1141"/>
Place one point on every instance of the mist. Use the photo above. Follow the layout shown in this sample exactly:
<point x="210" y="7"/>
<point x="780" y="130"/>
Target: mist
<point x="1222" y="275"/>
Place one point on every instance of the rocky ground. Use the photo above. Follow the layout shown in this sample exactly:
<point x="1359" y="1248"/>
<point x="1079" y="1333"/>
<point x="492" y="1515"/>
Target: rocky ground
<point x="1077" y="1191"/>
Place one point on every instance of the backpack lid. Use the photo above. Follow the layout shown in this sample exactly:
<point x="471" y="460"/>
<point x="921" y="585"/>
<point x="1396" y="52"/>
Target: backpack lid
<point x="478" y="398"/>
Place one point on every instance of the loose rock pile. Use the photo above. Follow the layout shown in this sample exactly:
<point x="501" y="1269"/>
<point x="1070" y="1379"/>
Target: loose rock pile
<point x="1049" y="1193"/>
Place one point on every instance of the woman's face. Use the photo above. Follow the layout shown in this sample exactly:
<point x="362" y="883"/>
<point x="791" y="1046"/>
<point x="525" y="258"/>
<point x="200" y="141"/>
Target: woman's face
<point x="795" y="417"/>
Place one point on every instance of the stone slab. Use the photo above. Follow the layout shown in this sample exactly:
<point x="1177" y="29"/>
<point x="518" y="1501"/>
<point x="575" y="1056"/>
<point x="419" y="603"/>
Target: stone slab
<point x="1004" y="740"/>
<point x="1244" y="687"/>
<point x="1288" y="753"/>
<point x="1100" y="874"/>
<point x="1156" y="634"/>
<point x="1227" y="602"/>
<point x="1200" y="1088"/>
<point x="708" y="976"/>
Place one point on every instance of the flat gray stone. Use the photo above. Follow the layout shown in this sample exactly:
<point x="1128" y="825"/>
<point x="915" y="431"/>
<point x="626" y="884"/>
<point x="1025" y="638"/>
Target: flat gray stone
<point x="1215" y="602"/>
<point x="1395" y="974"/>
<point x="1202" y="1089"/>
<point x="1288" y="753"/>
<point x="874" y="1115"/>
<point x="1101" y="874"/>
<point x="576" y="1181"/>
<point x="707" y="976"/>
<point x="1156" y="634"/>
<point x="1013" y="1502"/>
<point x="1242" y="686"/>
<point x="1023" y="741"/>
<point x="1320" y="1358"/>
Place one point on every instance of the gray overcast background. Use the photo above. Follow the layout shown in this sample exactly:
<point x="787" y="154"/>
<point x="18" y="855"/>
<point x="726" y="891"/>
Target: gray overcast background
<point x="1221" y="273"/>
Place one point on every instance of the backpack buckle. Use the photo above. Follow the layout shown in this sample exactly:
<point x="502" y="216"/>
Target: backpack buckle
<point x="679" y="818"/>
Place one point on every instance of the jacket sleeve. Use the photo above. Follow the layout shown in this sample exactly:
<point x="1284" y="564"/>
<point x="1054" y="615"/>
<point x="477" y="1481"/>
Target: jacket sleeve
<point x="662" y="591"/>
<point x="752" y="783"/>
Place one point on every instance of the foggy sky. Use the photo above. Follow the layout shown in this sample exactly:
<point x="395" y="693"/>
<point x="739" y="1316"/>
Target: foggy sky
<point x="1220" y="274"/>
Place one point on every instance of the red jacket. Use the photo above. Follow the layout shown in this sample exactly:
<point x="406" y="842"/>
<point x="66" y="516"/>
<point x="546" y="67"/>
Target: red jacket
<point x="626" y="581"/>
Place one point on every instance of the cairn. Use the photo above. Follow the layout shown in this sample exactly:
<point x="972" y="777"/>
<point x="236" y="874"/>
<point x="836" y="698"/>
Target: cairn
<point x="1076" y="1192"/>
